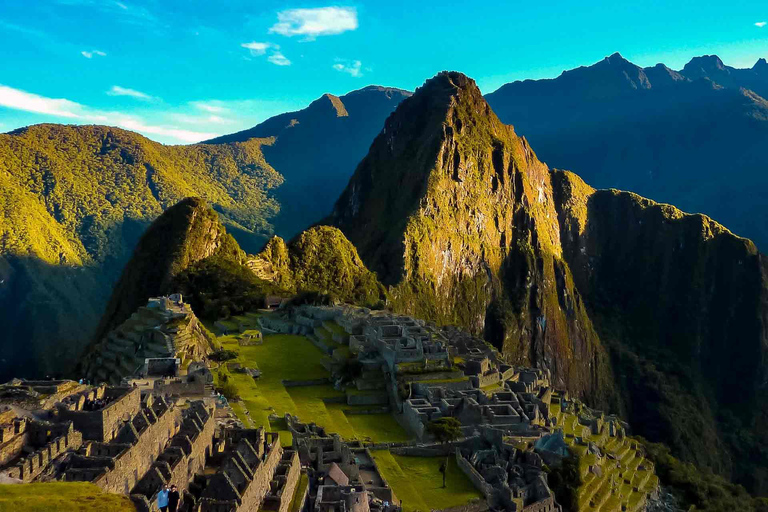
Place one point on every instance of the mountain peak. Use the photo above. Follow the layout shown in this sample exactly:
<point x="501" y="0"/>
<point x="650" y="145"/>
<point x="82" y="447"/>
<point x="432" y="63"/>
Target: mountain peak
<point x="615" y="57"/>
<point x="702" y="66"/>
<point x="761" y="66"/>
<point x="329" y="102"/>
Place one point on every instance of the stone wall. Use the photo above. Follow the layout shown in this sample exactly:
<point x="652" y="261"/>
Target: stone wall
<point x="476" y="478"/>
<point x="103" y="424"/>
<point x="145" y="447"/>
<point x="245" y="476"/>
<point x="284" y="483"/>
<point x="180" y="387"/>
<point x="13" y="437"/>
<point x="30" y="467"/>
<point x="183" y="458"/>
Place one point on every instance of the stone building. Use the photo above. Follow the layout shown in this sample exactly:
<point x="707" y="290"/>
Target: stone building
<point x="343" y="476"/>
<point x="166" y="328"/>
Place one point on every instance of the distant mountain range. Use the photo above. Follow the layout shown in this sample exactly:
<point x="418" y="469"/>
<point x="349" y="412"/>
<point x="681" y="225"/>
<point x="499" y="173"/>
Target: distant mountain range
<point x="317" y="149"/>
<point x="696" y="138"/>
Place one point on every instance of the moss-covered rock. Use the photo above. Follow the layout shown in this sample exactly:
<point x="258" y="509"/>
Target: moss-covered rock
<point x="453" y="210"/>
<point x="319" y="259"/>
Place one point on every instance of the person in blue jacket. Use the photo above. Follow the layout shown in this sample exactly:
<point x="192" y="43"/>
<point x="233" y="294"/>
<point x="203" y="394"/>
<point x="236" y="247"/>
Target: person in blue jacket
<point x="162" y="498"/>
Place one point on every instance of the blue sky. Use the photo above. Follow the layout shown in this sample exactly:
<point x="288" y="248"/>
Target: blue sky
<point x="182" y="70"/>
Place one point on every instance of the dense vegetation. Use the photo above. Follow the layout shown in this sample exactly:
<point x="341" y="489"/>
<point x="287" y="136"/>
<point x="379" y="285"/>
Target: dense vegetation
<point x="321" y="260"/>
<point x="218" y="287"/>
<point x="700" y="490"/>
<point x="74" y="201"/>
<point x="453" y="211"/>
<point x="185" y="234"/>
<point x="456" y="214"/>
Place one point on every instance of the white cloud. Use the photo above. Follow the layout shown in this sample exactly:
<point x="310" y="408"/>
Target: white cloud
<point x="310" y="23"/>
<point x="93" y="53"/>
<point x="58" y="107"/>
<point x="21" y="100"/>
<point x="259" y="48"/>
<point x="275" y="55"/>
<point x="121" y="5"/>
<point x="279" y="59"/>
<point x="352" y="67"/>
<point x="761" y="24"/>
<point x="209" y="106"/>
<point x="116" y="90"/>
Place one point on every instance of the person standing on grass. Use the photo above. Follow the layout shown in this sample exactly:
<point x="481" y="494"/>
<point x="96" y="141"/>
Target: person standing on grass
<point x="162" y="499"/>
<point x="173" y="499"/>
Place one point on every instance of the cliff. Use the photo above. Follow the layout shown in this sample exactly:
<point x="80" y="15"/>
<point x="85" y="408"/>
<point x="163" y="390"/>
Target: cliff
<point x="693" y="138"/>
<point x="454" y="211"/>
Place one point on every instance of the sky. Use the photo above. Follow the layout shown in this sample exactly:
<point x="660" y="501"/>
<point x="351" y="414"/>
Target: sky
<point x="181" y="71"/>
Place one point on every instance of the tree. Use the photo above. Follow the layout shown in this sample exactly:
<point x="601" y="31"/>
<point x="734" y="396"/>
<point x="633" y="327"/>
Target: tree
<point x="444" y="430"/>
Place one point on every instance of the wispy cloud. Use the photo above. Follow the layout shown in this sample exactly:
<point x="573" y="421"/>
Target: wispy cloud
<point x="214" y="107"/>
<point x="71" y="110"/>
<point x="257" y="48"/>
<point x="311" y="23"/>
<point x="116" y="90"/>
<point x="351" y="67"/>
<point x="121" y="5"/>
<point x="275" y="55"/>
<point x="21" y="100"/>
<point x="761" y="24"/>
<point x="93" y="53"/>
<point x="279" y="59"/>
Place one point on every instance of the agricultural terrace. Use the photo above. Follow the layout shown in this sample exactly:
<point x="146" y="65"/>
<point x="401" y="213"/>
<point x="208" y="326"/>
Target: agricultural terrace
<point x="623" y="478"/>
<point x="290" y="357"/>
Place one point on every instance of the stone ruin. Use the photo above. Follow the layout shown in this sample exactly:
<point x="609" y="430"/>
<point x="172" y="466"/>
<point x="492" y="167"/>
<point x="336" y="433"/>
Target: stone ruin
<point x="133" y="442"/>
<point x="343" y="476"/>
<point x="156" y="339"/>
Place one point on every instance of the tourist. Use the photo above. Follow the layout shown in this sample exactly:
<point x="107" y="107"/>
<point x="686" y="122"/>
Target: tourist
<point x="173" y="499"/>
<point x="162" y="499"/>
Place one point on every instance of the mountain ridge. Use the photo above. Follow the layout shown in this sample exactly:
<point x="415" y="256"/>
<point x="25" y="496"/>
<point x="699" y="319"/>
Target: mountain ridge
<point x="466" y="226"/>
<point x="683" y="137"/>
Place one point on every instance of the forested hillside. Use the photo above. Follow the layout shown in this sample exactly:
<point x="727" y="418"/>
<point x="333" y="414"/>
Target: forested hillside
<point x="74" y="202"/>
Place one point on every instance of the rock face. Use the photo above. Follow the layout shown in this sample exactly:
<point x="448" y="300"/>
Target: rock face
<point x="318" y="259"/>
<point x="458" y="216"/>
<point x="455" y="212"/>
<point x="187" y="232"/>
<point x="74" y="201"/>
<point x="317" y="149"/>
<point x="694" y="138"/>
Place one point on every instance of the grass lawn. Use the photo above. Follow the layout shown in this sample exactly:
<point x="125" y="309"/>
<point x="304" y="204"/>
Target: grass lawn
<point x="289" y="357"/>
<point x="298" y="494"/>
<point x="62" y="497"/>
<point x="418" y="483"/>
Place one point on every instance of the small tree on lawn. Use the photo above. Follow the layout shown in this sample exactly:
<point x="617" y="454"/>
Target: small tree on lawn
<point x="444" y="430"/>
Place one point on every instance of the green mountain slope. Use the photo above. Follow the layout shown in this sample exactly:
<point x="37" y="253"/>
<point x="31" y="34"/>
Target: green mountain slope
<point x="184" y="234"/>
<point x="457" y="215"/>
<point x="319" y="259"/>
<point x="455" y="212"/>
<point x="74" y="201"/>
